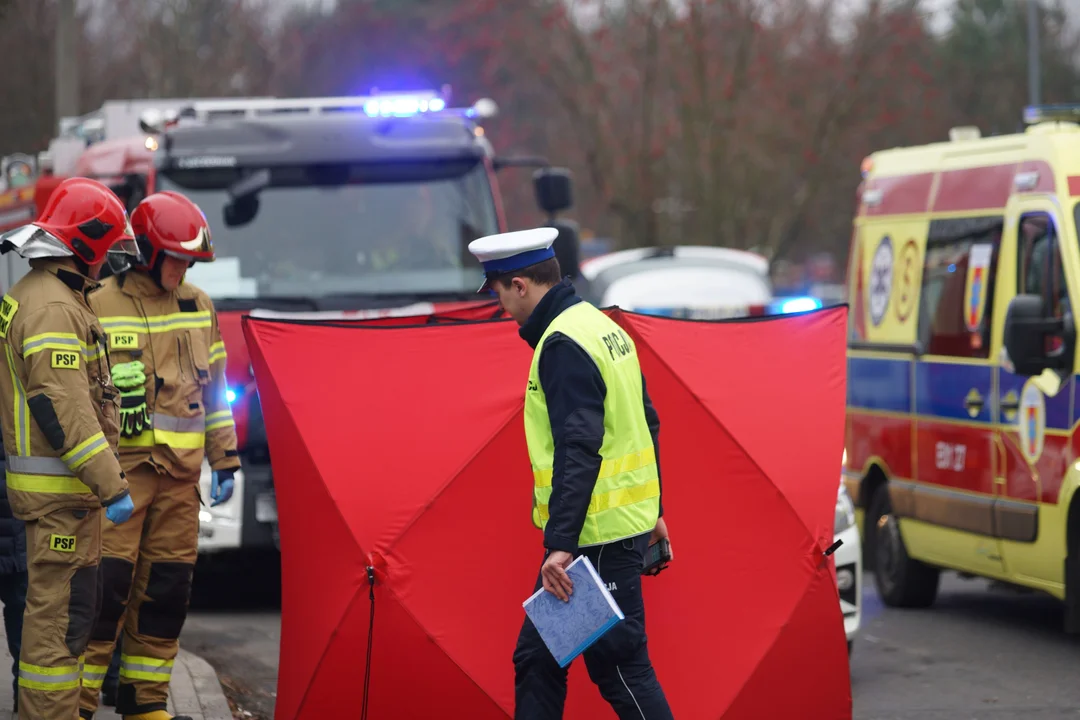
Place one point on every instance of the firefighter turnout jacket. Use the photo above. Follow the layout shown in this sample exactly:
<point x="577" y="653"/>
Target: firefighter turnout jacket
<point x="175" y="335"/>
<point x="58" y="407"/>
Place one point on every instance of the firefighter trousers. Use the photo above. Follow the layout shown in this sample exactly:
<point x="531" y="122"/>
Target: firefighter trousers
<point x="62" y="600"/>
<point x="146" y="568"/>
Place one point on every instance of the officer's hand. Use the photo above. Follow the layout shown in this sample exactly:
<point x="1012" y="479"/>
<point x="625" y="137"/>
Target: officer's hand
<point x="556" y="581"/>
<point x="120" y="511"/>
<point x="660" y="532"/>
<point x="221" y="486"/>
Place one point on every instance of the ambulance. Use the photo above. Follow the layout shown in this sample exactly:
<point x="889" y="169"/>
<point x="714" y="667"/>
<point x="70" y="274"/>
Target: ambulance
<point x="962" y="406"/>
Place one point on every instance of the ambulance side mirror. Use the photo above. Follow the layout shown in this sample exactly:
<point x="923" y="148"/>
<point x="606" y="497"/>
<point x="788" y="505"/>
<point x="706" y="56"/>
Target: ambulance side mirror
<point x="1028" y="332"/>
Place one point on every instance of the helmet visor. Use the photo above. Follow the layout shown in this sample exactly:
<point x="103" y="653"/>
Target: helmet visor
<point x="199" y="247"/>
<point x="126" y="247"/>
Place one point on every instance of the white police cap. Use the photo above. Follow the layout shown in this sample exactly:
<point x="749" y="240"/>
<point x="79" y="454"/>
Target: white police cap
<point x="507" y="252"/>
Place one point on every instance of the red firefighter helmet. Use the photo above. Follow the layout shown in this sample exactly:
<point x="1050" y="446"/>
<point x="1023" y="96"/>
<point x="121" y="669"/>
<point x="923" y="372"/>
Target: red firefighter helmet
<point x="169" y="223"/>
<point x="82" y="217"/>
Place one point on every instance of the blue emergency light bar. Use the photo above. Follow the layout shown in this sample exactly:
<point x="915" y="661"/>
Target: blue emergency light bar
<point x="403" y="105"/>
<point x="1051" y="113"/>
<point x="424" y="103"/>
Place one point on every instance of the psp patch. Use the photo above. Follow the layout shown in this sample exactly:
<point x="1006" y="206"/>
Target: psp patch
<point x="62" y="543"/>
<point x="65" y="360"/>
<point x="123" y="341"/>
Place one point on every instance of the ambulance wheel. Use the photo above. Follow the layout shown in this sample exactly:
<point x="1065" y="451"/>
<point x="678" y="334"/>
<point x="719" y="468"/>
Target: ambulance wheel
<point x="900" y="580"/>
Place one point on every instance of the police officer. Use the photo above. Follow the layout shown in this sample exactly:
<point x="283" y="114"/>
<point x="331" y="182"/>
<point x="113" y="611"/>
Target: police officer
<point x="58" y="410"/>
<point x="169" y="363"/>
<point x="592" y="438"/>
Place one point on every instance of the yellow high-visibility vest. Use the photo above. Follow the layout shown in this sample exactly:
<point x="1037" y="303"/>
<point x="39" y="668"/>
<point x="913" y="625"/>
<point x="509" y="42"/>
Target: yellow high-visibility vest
<point x="626" y="498"/>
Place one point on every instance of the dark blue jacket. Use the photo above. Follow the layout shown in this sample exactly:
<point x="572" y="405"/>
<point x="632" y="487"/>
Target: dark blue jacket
<point x="12" y="532"/>
<point x="575" y="399"/>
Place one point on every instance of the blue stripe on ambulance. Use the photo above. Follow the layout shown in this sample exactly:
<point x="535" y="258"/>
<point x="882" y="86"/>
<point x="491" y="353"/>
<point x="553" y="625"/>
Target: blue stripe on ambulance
<point x="941" y="390"/>
<point x="879" y="384"/>
<point x="1057" y="407"/>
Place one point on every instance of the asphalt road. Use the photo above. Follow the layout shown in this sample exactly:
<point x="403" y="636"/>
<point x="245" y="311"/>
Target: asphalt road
<point x="980" y="653"/>
<point x="235" y="624"/>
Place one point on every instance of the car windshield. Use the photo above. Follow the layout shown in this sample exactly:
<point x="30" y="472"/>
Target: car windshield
<point x="343" y="230"/>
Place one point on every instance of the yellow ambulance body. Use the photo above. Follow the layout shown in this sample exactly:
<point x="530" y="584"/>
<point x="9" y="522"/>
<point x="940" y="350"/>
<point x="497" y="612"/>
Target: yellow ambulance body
<point x="963" y="401"/>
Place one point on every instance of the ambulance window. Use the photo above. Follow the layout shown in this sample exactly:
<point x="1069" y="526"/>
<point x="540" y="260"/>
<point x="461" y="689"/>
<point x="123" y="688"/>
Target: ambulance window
<point x="957" y="295"/>
<point x="1039" y="268"/>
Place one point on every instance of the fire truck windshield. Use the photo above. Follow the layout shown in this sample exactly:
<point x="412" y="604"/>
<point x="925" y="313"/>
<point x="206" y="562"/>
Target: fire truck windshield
<point x="343" y="230"/>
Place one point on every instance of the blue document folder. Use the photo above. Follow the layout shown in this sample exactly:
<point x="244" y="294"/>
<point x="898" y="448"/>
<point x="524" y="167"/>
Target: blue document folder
<point x="568" y="628"/>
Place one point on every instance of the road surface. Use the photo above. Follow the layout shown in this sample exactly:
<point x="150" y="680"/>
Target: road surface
<point x="980" y="653"/>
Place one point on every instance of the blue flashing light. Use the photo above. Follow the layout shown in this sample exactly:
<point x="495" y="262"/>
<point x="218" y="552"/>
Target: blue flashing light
<point x="230" y="395"/>
<point x="1050" y="113"/>
<point x="403" y="105"/>
<point x="801" y="304"/>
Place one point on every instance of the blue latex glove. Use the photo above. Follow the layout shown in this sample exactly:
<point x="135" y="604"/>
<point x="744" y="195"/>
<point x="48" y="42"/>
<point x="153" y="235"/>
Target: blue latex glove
<point x="120" y="511"/>
<point x="221" y="486"/>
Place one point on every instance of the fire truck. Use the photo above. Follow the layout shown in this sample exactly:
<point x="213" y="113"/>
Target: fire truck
<point x="320" y="208"/>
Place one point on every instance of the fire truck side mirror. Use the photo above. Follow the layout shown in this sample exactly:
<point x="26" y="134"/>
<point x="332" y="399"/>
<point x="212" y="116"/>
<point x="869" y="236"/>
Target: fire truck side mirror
<point x="567" y="248"/>
<point x="240" y="211"/>
<point x="1034" y="341"/>
<point x="554" y="190"/>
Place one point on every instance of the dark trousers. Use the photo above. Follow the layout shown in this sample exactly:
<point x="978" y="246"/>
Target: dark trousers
<point x="618" y="662"/>
<point x="112" y="676"/>
<point x="13" y="595"/>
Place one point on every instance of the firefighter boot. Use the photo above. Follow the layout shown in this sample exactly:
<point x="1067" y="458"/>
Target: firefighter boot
<point x="157" y="715"/>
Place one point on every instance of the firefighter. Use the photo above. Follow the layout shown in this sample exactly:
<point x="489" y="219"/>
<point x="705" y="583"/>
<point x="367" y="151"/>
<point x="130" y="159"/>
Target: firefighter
<point x="60" y="425"/>
<point x="592" y="435"/>
<point x="169" y="363"/>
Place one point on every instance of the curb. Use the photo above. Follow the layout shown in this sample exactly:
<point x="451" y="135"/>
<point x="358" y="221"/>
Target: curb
<point x="194" y="690"/>
<point x="209" y="698"/>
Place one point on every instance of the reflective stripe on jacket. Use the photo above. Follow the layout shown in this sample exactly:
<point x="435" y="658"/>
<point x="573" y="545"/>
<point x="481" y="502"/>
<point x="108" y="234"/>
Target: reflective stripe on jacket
<point x="175" y="335"/>
<point x="58" y="407"/>
<point x="626" y="497"/>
